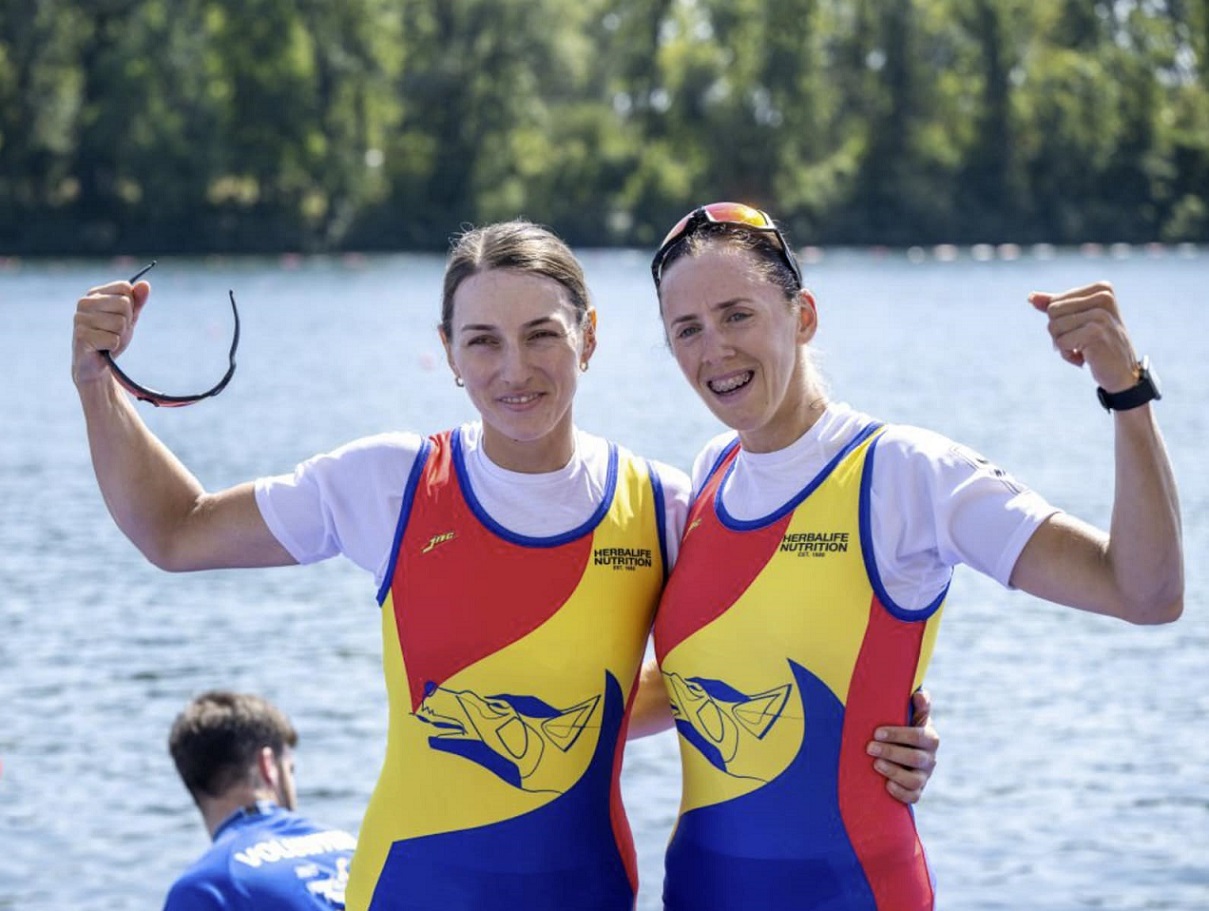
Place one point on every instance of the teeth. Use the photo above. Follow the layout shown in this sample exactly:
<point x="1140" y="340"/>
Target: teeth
<point x="731" y="383"/>
<point x="519" y="399"/>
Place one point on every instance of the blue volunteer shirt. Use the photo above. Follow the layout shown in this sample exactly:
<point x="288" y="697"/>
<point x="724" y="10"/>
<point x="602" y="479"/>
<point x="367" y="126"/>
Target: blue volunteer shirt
<point x="268" y="859"/>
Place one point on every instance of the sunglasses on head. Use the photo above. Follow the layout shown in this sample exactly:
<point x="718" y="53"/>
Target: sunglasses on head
<point x="736" y="214"/>
<point x="161" y="399"/>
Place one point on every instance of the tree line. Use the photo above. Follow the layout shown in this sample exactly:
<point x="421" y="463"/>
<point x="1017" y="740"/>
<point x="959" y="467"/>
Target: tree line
<point x="269" y="125"/>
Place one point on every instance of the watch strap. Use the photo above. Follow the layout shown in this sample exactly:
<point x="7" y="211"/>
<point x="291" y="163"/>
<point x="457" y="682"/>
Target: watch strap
<point x="1143" y="391"/>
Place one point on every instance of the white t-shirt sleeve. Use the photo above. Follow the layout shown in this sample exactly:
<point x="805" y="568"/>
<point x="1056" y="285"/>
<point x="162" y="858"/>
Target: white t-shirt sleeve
<point x="708" y="457"/>
<point x="938" y="504"/>
<point x="934" y="503"/>
<point x="343" y="502"/>
<point x="675" y="486"/>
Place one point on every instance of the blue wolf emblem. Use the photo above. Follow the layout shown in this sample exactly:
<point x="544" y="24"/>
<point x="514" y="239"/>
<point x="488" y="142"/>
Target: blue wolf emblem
<point x="716" y="718"/>
<point x="525" y="741"/>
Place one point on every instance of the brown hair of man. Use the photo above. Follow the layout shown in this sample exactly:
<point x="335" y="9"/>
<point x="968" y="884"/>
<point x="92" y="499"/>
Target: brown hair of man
<point x="217" y="737"/>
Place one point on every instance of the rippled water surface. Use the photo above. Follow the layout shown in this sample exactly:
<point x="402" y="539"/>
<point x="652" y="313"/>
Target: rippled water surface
<point x="1073" y="772"/>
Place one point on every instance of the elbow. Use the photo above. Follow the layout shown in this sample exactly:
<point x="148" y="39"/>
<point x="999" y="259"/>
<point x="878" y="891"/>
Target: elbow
<point x="162" y="558"/>
<point x="162" y="554"/>
<point x="171" y="540"/>
<point x="1156" y="613"/>
<point x="1153" y="594"/>
<point x="1165" y="606"/>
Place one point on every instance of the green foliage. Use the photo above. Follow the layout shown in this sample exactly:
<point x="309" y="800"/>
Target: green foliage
<point x="215" y="125"/>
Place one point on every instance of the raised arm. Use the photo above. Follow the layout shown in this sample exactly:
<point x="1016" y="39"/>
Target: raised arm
<point x="155" y="500"/>
<point x="1136" y="571"/>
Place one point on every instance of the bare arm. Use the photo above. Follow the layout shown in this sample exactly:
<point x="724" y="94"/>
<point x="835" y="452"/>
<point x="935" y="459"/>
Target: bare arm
<point x="1136" y="571"/>
<point x="651" y="712"/>
<point x="155" y="500"/>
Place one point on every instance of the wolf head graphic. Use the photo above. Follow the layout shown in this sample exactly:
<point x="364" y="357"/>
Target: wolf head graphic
<point x="719" y="720"/>
<point x="525" y="741"/>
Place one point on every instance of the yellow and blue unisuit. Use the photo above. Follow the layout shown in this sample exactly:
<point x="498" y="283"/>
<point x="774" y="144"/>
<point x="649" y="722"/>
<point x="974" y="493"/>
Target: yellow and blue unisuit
<point x="781" y="652"/>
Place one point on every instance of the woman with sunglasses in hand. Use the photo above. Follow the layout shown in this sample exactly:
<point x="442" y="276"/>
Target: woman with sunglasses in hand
<point x="776" y="666"/>
<point x="519" y="562"/>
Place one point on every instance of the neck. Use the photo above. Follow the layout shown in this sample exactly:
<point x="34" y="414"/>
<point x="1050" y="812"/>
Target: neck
<point x="550" y="453"/>
<point x="794" y="419"/>
<point x="217" y="810"/>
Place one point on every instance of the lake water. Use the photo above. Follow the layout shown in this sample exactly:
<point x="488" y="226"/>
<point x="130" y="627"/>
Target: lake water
<point x="1073" y="772"/>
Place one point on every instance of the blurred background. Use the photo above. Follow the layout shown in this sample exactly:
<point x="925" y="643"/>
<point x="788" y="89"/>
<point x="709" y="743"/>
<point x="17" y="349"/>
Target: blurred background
<point x="303" y="125"/>
<point x="934" y="159"/>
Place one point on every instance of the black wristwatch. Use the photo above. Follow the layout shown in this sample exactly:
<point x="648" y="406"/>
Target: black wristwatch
<point x="1144" y="390"/>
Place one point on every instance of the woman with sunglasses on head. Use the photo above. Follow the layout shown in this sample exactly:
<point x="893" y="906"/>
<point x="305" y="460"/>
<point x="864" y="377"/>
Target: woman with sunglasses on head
<point x="776" y="665"/>
<point x="519" y="563"/>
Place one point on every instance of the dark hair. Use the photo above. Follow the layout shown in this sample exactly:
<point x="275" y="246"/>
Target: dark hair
<point x="768" y="263"/>
<point x="216" y="738"/>
<point x="519" y="245"/>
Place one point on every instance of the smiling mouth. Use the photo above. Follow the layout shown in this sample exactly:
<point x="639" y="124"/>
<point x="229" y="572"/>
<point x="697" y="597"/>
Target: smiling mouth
<point x="525" y="399"/>
<point x="731" y="383"/>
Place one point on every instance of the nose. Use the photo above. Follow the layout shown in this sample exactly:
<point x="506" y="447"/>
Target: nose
<point x="714" y="345"/>
<point x="514" y="365"/>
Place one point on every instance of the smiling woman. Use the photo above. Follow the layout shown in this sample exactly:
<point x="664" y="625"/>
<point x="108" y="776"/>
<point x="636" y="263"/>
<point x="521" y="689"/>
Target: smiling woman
<point x="740" y="343"/>
<point x="816" y="562"/>
<point x="518" y="343"/>
<point x="506" y="714"/>
<point x="518" y="560"/>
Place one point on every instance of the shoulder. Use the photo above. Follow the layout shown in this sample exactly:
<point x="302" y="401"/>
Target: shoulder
<point x="673" y="488"/>
<point x="841" y="423"/>
<point x="915" y="444"/>
<point x="378" y="447"/>
<point x="671" y="480"/>
<point x="921" y="453"/>
<point x="675" y="483"/>
<point x="380" y="456"/>
<point x="204" y="886"/>
<point x="709" y="455"/>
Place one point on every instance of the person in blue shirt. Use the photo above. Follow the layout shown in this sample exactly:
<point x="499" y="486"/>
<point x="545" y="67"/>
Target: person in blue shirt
<point x="235" y="754"/>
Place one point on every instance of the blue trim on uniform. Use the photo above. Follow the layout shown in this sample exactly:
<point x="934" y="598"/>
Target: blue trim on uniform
<point x="897" y="611"/>
<point x="606" y="502"/>
<point x="660" y="514"/>
<point x="713" y="469"/>
<point x="734" y="524"/>
<point x="409" y="495"/>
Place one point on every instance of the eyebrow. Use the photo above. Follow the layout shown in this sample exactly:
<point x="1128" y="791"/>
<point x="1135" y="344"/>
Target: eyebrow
<point x="721" y="305"/>
<point x="488" y="327"/>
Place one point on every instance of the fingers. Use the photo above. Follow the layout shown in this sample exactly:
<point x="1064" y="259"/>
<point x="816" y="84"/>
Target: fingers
<point x="906" y="756"/>
<point x="921" y="708"/>
<point x="905" y="779"/>
<point x="1086" y="328"/>
<point x="104" y="320"/>
<point x="909" y="794"/>
<point x="889" y="739"/>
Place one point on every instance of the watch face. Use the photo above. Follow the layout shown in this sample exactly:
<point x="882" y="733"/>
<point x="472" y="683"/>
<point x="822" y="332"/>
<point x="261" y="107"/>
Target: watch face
<point x="1149" y="377"/>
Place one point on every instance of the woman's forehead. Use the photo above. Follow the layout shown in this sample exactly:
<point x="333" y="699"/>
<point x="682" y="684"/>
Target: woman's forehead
<point x="509" y="296"/>
<point x="713" y="267"/>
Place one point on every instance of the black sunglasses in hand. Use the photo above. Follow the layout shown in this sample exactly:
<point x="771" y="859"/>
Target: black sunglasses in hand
<point x="161" y="399"/>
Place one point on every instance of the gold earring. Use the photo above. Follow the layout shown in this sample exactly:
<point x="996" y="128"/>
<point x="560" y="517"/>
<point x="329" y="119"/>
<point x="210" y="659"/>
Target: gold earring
<point x="583" y="366"/>
<point x="458" y="381"/>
